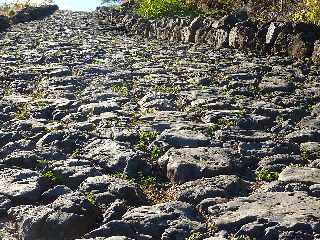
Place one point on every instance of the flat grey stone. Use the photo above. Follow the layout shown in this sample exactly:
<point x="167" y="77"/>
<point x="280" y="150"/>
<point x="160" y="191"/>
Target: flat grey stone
<point x="300" y="174"/>
<point x="183" y="138"/>
<point x="98" y="108"/>
<point x="68" y="217"/>
<point x="220" y="186"/>
<point x="285" y="211"/>
<point x="21" y="186"/>
<point x="154" y="220"/>
<point x="117" y="187"/>
<point x="186" y="164"/>
<point x="112" y="155"/>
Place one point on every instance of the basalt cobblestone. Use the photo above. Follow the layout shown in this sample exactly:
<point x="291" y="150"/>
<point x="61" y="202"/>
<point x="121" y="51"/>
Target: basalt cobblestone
<point x="105" y="135"/>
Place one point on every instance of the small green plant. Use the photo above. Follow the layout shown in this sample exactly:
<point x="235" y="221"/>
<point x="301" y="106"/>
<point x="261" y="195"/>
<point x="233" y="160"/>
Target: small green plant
<point x="120" y="89"/>
<point x="155" y="189"/>
<point x="7" y="91"/>
<point x="91" y="198"/>
<point x="155" y="152"/>
<point x="134" y="119"/>
<point x="309" y="12"/>
<point x="224" y="122"/>
<point x="280" y="120"/>
<point x="239" y="113"/>
<point x="50" y="129"/>
<point x="265" y="175"/>
<point x="146" y="181"/>
<point x="161" y="8"/>
<point x="78" y="93"/>
<point x="51" y="176"/>
<point x="120" y="175"/>
<point x="75" y="153"/>
<point x="22" y="112"/>
<point x="212" y="129"/>
<point x="145" y="138"/>
<point x="148" y="111"/>
<point x="245" y="237"/>
<point x="195" y="236"/>
<point x="165" y="89"/>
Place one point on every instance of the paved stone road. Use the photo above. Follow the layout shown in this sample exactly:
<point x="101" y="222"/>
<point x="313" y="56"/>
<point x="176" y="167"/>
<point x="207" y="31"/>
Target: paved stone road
<point x="104" y="134"/>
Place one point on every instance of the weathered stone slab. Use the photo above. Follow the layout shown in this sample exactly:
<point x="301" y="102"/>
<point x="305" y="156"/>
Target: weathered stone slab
<point x="220" y="186"/>
<point x="300" y="174"/>
<point x="21" y="186"/>
<point x="188" y="164"/>
<point x="276" y="212"/>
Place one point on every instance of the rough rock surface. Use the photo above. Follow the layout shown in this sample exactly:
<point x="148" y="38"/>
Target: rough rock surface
<point x="298" y="40"/>
<point x="105" y="134"/>
<point x="269" y="215"/>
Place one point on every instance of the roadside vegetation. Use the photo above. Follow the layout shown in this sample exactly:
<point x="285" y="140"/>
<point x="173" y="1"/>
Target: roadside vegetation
<point x="295" y="10"/>
<point x="10" y="9"/>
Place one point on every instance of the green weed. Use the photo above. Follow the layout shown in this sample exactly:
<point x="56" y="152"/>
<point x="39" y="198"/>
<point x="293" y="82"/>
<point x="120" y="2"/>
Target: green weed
<point x="51" y="176"/>
<point x="120" y="89"/>
<point x="22" y="112"/>
<point x="145" y="138"/>
<point x="91" y="198"/>
<point x="265" y="175"/>
<point x="155" y="152"/>
<point x="75" y="153"/>
<point x="165" y="89"/>
<point x="161" y="8"/>
<point x="195" y="236"/>
<point x="245" y="237"/>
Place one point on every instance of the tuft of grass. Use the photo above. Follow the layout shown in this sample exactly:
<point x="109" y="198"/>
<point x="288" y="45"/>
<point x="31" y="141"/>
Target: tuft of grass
<point x="212" y="129"/>
<point x="265" y="175"/>
<point x="91" y="198"/>
<point x="75" y="153"/>
<point x="195" y="236"/>
<point x="309" y="12"/>
<point x="155" y="152"/>
<point x="22" y="112"/>
<point x="51" y="176"/>
<point x="120" y="89"/>
<point x="145" y="138"/>
<point x="164" y="8"/>
<point x="245" y="237"/>
<point x="166" y="89"/>
<point x="155" y="189"/>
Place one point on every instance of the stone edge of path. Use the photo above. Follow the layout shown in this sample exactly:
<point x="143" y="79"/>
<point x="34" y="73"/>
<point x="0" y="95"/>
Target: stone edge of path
<point x="300" y="41"/>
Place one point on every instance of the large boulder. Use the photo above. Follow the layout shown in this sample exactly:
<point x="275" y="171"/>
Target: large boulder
<point x="242" y="35"/>
<point x="301" y="46"/>
<point x="174" y="219"/>
<point x="190" y="31"/>
<point x="183" y="138"/>
<point x="33" y="13"/>
<point x="269" y="215"/>
<point x="222" y="27"/>
<point x="300" y="174"/>
<point x="220" y="186"/>
<point x="316" y="52"/>
<point x="68" y="217"/>
<point x="112" y="156"/>
<point x="112" y="188"/>
<point x="4" y="22"/>
<point x="21" y="186"/>
<point x="187" y="164"/>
